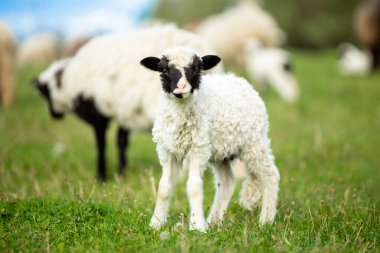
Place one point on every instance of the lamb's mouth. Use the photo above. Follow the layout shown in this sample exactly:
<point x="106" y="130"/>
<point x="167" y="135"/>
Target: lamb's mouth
<point x="178" y="95"/>
<point x="181" y="95"/>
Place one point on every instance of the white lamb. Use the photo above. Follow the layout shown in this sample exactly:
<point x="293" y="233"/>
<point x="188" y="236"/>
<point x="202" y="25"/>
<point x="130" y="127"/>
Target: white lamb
<point x="271" y="66"/>
<point x="104" y="81"/>
<point x="212" y="119"/>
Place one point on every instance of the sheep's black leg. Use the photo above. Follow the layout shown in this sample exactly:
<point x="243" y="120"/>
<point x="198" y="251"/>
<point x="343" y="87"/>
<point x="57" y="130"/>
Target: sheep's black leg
<point x="100" y="134"/>
<point x="86" y="109"/>
<point x="375" y="51"/>
<point x="122" y="143"/>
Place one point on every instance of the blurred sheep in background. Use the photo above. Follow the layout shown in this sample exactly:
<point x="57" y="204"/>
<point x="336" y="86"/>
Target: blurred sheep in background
<point x="7" y="64"/>
<point x="71" y="46"/>
<point x="353" y="61"/>
<point x="367" y="26"/>
<point x="227" y="32"/>
<point x="40" y="49"/>
<point x="231" y="34"/>
<point x="271" y="67"/>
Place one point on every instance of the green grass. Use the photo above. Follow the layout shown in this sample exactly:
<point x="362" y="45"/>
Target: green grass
<point x="326" y="147"/>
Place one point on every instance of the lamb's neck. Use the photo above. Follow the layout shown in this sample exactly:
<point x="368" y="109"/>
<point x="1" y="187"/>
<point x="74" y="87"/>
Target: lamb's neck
<point x="183" y="107"/>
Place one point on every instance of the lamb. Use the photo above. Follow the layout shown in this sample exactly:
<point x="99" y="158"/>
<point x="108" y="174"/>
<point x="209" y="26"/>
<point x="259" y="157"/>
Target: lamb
<point x="367" y="26"/>
<point x="271" y="66"/>
<point x="7" y="64"/>
<point x="104" y="81"/>
<point x="214" y="119"/>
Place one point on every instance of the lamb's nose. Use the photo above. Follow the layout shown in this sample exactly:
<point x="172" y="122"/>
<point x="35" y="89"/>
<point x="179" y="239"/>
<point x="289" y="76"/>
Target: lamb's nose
<point x="181" y="85"/>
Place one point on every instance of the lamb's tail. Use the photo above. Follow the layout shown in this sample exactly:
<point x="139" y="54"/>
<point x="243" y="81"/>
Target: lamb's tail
<point x="250" y="192"/>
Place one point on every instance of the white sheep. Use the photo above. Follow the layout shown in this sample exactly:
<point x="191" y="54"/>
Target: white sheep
<point x="7" y="64"/>
<point x="212" y="119"/>
<point x="271" y="66"/>
<point x="353" y="61"/>
<point x="227" y="32"/>
<point x="231" y="34"/>
<point x="40" y="49"/>
<point x="104" y="81"/>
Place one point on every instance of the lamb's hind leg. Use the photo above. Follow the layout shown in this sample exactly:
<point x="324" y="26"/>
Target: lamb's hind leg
<point x="224" y="188"/>
<point x="250" y="192"/>
<point x="260" y="161"/>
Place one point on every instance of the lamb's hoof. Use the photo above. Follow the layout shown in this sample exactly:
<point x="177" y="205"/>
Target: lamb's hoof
<point x="200" y="226"/>
<point x="214" y="221"/>
<point x="267" y="217"/>
<point x="155" y="223"/>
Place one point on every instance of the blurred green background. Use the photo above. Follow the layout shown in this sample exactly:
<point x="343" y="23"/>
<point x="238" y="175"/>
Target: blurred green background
<point x="307" y="23"/>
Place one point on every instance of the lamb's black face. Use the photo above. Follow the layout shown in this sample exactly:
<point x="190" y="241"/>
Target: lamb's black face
<point x="180" y="76"/>
<point x="172" y="78"/>
<point x="44" y="90"/>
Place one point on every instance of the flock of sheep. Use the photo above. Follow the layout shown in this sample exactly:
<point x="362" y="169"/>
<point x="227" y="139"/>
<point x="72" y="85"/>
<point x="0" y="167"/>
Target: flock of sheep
<point x="171" y="80"/>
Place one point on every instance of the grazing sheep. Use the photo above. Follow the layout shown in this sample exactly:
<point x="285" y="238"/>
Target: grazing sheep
<point x="353" y="61"/>
<point x="41" y="49"/>
<point x="104" y="81"/>
<point x="7" y="64"/>
<point x="271" y="66"/>
<point x="227" y="32"/>
<point x="367" y="25"/>
<point x="72" y="46"/>
<point x="212" y="119"/>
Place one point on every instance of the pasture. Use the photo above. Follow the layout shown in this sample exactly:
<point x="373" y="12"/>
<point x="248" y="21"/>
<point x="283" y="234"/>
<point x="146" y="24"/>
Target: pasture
<point x="326" y="148"/>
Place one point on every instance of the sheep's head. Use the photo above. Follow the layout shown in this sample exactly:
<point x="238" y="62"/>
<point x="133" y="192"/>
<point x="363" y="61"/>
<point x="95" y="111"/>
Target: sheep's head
<point x="180" y="70"/>
<point x="47" y="81"/>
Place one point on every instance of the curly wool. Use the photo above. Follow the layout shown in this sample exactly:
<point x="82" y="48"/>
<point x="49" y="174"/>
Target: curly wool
<point x="225" y="112"/>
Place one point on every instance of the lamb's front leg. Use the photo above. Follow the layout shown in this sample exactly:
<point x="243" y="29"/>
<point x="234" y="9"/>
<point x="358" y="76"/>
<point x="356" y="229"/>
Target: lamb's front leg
<point x="195" y="194"/>
<point x="164" y="193"/>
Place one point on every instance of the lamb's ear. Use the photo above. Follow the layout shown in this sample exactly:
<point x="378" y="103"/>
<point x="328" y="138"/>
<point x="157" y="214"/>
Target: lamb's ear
<point x="150" y="63"/>
<point x="210" y="61"/>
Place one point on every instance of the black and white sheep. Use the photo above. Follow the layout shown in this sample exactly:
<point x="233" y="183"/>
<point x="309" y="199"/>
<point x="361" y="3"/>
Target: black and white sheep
<point x="214" y="119"/>
<point x="104" y="81"/>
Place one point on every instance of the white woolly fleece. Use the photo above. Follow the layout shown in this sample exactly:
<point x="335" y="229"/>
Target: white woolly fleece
<point x="107" y="69"/>
<point x="216" y="122"/>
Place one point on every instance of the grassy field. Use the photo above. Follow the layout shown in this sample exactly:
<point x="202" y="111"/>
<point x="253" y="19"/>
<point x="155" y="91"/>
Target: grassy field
<point x="326" y="147"/>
